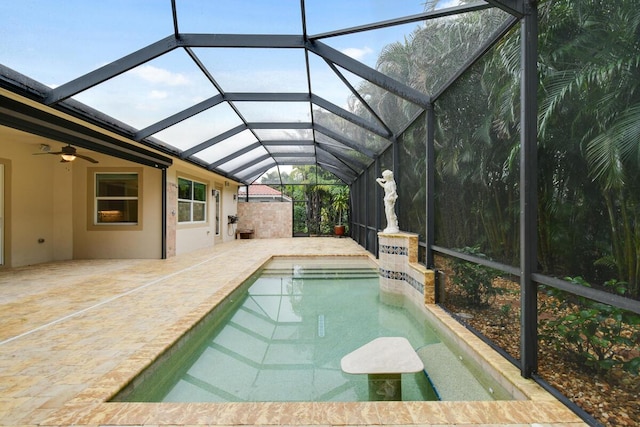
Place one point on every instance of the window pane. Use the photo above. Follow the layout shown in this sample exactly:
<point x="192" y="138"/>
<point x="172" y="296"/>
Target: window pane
<point x="118" y="211"/>
<point x="117" y="185"/>
<point x="184" y="211"/>
<point x="199" y="191"/>
<point x="184" y="189"/>
<point x="198" y="211"/>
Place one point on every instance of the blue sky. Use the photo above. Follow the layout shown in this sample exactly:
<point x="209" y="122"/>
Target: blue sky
<point x="72" y="37"/>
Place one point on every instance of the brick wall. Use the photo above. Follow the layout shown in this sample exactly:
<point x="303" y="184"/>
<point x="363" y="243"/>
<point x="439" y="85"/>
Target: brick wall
<point x="269" y="220"/>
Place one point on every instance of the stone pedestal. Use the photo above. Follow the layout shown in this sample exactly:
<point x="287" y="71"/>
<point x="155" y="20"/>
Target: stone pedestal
<point x="383" y="360"/>
<point x="399" y="268"/>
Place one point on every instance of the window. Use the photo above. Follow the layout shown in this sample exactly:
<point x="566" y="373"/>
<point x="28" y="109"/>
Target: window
<point x="116" y="198"/>
<point x="192" y="197"/>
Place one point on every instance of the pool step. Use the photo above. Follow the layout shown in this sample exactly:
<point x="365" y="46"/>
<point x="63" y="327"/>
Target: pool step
<point x="449" y="376"/>
<point x="321" y="273"/>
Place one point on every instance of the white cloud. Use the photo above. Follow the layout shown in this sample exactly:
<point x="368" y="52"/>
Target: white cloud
<point x="357" y="53"/>
<point x="157" y="94"/>
<point x="153" y="74"/>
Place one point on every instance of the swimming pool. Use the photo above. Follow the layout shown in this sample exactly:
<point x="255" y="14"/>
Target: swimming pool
<point x="281" y="336"/>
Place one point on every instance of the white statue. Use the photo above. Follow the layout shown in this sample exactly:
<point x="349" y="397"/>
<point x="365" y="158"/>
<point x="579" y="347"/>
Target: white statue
<point x="390" y="196"/>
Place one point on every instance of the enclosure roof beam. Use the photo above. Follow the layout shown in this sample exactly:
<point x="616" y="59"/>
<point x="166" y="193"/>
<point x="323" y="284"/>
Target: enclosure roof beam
<point x="163" y="46"/>
<point x="257" y="173"/>
<point x="254" y="125"/>
<point x="337" y="161"/>
<point x="265" y="41"/>
<point x="345" y="141"/>
<point x="337" y="169"/>
<point x="203" y="145"/>
<point x="268" y="96"/>
<point x="374" y="76"/>
<point x="276" y="155"/>
<point x="251" y="163"/>
<point x="235" y="154"/>
<point x="215" y="84"/>
<point x="301" y="162"/>
<point x="478" y="54"/>
<point x="287" y="142"/>
<point x="349" y="116"/>
<point x="433" y="14"/>
<point x="178" y="117"/>
<point x="512" y="7"/>
<point x="337" y="172"/>
<point x="113" y="69"/>
<point x="340" y="154"/>
<point x="174" y="14"/>
<point x="215" y="100"/>
<point x="357" y="95"/>
<point x="305" y="97"/>
<point x="278" y="125"/>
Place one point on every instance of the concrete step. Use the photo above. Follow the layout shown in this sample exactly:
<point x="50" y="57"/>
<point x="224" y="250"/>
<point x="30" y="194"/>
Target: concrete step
<point x="451" y="379"/>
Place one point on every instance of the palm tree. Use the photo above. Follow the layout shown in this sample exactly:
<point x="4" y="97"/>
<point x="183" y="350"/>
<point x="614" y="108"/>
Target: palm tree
<point x="594" y="74"/>
<point x="340" y="201"/>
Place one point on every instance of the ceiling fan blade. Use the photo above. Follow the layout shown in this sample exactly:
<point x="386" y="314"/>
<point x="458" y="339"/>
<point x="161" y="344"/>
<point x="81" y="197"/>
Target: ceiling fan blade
<point x="70" y="151"/>
<point x="87" y="158"/>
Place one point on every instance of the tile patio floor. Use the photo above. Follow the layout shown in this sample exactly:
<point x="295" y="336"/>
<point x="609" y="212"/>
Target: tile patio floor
<point x="74" y="333"/>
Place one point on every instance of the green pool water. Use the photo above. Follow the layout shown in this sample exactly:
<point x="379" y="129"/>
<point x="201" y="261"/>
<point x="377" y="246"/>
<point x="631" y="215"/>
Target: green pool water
<point x="281" y="337"/>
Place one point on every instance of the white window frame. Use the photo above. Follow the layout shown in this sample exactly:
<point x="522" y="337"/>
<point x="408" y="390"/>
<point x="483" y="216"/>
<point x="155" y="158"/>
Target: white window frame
<point x="193" y="202"/>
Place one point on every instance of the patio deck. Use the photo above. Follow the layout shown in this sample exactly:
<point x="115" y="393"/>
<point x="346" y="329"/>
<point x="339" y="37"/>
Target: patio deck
<point x="74" y="333"/>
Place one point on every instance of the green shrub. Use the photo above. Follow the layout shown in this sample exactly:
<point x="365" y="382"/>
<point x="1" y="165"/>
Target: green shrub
<point x="591" y="332"/>
<point x="474" y="280"/>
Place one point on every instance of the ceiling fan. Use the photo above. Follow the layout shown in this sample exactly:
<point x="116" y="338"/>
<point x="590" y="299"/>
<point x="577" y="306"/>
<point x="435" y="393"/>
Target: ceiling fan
<point x="68" y="153"/>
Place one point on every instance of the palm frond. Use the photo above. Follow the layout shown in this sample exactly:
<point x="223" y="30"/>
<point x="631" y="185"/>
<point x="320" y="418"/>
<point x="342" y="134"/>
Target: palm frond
<point x="609" y="151"/>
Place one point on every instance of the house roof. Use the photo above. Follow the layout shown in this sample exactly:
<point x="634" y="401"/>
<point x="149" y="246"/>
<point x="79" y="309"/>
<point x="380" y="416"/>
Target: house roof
<point x="242" y="87"/>
<point x="259" y="190"/>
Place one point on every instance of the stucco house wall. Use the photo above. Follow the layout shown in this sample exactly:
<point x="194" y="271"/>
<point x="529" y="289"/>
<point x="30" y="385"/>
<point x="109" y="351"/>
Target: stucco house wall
<point x="190" y="237"/>
<point x="36" y="200"/>
<point x="48" y="207"/>
<point x="124" y="241"/>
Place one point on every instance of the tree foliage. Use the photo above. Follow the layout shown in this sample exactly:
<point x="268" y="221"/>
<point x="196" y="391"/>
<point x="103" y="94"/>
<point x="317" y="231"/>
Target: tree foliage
<point x="320" y="200"/>
<point x="589" y="135"/>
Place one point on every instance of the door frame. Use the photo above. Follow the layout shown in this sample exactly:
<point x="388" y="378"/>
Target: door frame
<point x="5" y="213"/>
<point x="2" y="210"/>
